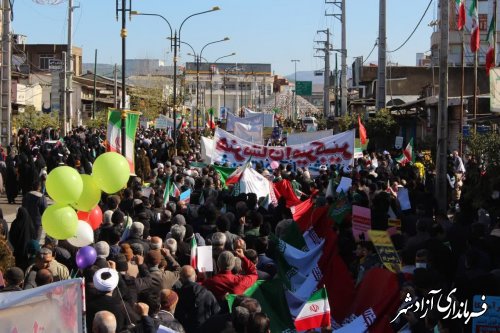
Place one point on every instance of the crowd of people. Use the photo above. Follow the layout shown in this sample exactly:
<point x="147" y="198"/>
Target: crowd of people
<point x="146" y="279"/>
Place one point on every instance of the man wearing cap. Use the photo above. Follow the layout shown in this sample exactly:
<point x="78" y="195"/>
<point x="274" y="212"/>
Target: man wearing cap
<point x="102" y="250"/>
<point x="168" y="302"/>
<point x="105" y="281"/>
<point x="14" y="278"/>
<point x="45" y="259"/>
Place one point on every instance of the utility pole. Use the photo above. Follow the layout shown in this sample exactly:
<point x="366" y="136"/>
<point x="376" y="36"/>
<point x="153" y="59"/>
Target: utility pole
<point x="69" y="66"/>
<point x="340" y="4"/>
<point x="326" y="89"/>
<point x="295" y="61"/>
<point x="6" y="130"/>
<point x="382" y="49"/>
<point x="64" y="78"/>
<point x="442" y="129"/>
<point x="343" y="65"/>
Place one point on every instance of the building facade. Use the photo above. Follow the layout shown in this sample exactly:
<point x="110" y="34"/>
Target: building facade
<point x="229" y="85"/>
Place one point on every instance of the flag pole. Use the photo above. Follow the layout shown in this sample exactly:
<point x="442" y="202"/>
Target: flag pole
<point x="462" y="93"/>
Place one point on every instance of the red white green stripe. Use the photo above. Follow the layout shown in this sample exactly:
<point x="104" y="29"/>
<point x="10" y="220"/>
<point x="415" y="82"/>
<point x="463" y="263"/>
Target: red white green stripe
<point x="169" y="189"/>
<point x="491" y="53"/>
<point x="474" y="34"/>
<point x="194" y="246"/>
<point x="407" y="155"/>
<point x="114" y="134"/>
<point x="315" y="313"/>
<point x="461" y="14"/>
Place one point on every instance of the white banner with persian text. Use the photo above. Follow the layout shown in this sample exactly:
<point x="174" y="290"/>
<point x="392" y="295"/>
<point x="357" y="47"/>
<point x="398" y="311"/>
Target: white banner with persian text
<point x="250" y="133"/>
<point x="207" y="149"/>
<point x="56" y="307"/>
<point x="232" y="119"/>
<point x="301" y="137"/>
<point x="336" y="149"/>
<point x="268" y="117"/>
<point x="495" y="89"/>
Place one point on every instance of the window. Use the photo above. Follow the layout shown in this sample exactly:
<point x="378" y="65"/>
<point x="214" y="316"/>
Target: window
<point x="44" y="61"/>
<point x="483" y="22"/>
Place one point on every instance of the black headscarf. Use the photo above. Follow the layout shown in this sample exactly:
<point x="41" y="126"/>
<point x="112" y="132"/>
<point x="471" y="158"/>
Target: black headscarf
<point x="21" y="233"/>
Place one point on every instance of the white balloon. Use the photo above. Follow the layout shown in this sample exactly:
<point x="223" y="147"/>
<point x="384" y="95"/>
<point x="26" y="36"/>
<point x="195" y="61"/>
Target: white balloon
<point x="84" y="235"/>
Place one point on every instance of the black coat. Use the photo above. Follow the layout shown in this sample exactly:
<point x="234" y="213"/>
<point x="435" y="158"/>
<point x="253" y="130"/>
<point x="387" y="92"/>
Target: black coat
<point x="196" y="304"/>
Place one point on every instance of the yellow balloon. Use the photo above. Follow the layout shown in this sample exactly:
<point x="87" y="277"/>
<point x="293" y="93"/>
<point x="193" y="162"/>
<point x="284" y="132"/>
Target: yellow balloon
<point x="90" y="196"/>
<point x="111" y="172"/>
<point x="64" y="184"/>
<point x="60" y="221"/>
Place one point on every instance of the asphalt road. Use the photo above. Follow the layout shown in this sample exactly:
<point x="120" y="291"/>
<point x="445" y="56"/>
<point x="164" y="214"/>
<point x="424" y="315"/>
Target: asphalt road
<point x="9" y="210"/>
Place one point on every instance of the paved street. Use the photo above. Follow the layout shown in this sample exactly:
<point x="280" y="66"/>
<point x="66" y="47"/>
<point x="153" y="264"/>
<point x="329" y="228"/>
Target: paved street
<point x="9" y="210"/>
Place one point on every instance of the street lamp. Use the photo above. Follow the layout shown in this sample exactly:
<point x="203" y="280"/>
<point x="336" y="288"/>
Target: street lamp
<point x="295" y="61"/>
<point x="175" y="43"/>
<point x="211" y="83"/>
<point x="198" y="58"/>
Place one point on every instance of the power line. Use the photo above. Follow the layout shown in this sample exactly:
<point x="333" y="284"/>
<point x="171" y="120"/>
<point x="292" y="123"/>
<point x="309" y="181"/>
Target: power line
<point x="415" y="29"/>
<point x="373" y="48"/>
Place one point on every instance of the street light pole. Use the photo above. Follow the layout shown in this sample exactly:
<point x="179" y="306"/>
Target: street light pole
<point x="123" y="35"/>
<point x="295" y="61"/>
<point x="211" y="84"/>
<point x="175" y="39"/>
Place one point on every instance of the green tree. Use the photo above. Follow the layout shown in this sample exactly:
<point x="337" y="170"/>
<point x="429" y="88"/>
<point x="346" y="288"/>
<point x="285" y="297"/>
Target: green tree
<point x="347" y="122"/>
<point x="148" y="101"/>
<point x="33" y="119"/>
<point x="381" y="130"/>
<point x="100" y="120"/>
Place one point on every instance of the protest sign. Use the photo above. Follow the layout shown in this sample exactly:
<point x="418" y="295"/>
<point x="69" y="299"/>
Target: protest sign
<point x="333" y="150"/>
<point x="344" y="185"/>
<point x="490" y="320"/>
<point x="55" y="307"/>
<point x="394" y="226"/>
<point x="361" y="222"/>
<point x="404" y="198"/>
<point x="204" y="259"/>
<point x="385" y="249"/>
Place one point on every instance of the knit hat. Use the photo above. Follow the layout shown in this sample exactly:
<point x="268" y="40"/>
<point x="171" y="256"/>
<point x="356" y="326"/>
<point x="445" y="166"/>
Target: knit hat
<point x="14" y="275"/>
<point x="153" y="258"/>
<point x="179" y="219"/>
<point x="105" y="279"/>
<point x="102" y="249"/>
<point x="137" y="229"/>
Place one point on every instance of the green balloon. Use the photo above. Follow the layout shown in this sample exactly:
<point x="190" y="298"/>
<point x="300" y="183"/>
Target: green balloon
<point x="90" y="196"/>
<point x="60" y="221"/>
<point x="64" y="185"/>
<point x="111" y="172"/>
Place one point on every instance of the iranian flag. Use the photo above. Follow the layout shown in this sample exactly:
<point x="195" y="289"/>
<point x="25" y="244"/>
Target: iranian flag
<point x="224" y="173"/>
<point x="194" y="246"/>
<point x="315" y="313"/>
<point x="407" y="155"/>
<point x="235" y="177"/>
<point x="474" y="34"/>
<point x="114" y="134"/>
<point x="362" y="131"/>
<point x="461" y="14"/>
<point x="169" y="190"/>
<point x="490" y="55"/>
